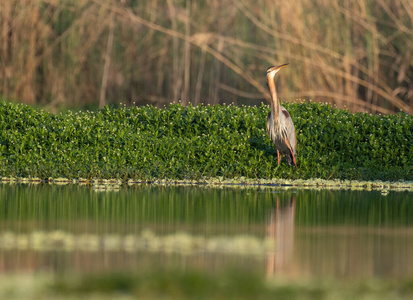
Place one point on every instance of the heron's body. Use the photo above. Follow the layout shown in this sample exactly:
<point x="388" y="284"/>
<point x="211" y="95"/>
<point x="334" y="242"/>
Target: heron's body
<point x="280" y="126"/>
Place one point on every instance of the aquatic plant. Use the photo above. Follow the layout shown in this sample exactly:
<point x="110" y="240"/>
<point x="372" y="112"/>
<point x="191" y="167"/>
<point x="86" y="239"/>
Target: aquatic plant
<point x="196" y="142"/>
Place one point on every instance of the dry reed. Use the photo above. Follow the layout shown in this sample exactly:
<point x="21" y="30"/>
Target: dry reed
<point x="64" y="54"/>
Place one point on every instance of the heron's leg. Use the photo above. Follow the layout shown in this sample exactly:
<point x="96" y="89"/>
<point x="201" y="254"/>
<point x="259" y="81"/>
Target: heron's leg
<point x="279" y="156"/>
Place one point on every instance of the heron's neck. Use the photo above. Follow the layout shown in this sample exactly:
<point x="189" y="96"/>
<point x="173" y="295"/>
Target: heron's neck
<point x="275" y="104"/>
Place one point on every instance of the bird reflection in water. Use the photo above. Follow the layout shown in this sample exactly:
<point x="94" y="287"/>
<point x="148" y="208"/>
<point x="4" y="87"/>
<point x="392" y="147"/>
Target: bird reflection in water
<point x="280" y="231"/>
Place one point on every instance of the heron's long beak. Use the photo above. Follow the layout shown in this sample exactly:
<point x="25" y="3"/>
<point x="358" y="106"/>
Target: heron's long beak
<point x="276" y="69"/>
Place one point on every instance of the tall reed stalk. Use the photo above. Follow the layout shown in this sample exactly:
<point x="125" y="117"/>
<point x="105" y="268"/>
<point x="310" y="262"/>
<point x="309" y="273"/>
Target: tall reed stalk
<point x="60" y="54"/>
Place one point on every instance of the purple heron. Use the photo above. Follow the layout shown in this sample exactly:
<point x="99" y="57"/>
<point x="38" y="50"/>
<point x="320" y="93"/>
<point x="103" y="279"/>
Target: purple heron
<point x="280" y="126"/>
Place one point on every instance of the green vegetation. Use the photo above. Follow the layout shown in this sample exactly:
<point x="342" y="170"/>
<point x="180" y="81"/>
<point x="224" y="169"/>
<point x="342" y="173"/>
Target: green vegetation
<point x="231" y="285"/>
<point x="177" y="142"/>
<point x="195" y="285"/>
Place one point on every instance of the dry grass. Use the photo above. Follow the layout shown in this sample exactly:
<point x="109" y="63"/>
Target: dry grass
<point x="357" y="54"/>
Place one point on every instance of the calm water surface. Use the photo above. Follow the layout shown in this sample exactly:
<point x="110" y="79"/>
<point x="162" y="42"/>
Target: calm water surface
<point x="277" y="232"/>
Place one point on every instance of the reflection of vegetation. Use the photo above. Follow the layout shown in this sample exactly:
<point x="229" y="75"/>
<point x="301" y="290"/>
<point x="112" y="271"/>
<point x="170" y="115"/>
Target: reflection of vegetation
<point x="62" y="206"/>
<point x="197" y="142"/>
<point x="215" y="210"/>
<point x="354" y="208"/>
<point x="181" y="243"/>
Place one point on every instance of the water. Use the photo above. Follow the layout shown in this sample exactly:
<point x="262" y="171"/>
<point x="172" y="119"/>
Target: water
<point x="289" y="233"/>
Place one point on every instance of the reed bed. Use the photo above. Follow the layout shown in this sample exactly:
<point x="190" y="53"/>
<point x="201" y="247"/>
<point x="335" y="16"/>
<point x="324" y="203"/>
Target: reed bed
<point x="67" y="54"/>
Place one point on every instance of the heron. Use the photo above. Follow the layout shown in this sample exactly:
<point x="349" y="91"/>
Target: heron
<point x="280" y="126"/>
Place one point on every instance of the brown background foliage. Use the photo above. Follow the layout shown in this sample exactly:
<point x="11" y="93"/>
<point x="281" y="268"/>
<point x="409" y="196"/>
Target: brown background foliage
<point x="72" y="54"/>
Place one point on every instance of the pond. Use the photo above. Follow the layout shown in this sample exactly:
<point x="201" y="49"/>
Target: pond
<point x="273" y="231"/>
<point x="288" y="233"/>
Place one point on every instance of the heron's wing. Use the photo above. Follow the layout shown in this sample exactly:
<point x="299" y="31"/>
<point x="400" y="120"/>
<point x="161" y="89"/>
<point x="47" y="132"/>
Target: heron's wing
<point x="290" y="130"/>
<point x="287" y="143"/>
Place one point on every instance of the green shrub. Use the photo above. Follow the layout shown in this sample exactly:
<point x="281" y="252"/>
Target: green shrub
<point x="180" y="142"/>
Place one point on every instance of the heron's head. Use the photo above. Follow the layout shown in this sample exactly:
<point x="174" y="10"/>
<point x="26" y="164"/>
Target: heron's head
<point x="273" y="70"/>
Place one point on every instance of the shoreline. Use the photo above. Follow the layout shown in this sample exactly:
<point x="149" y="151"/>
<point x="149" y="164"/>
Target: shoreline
<point x="316" y="183"/>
